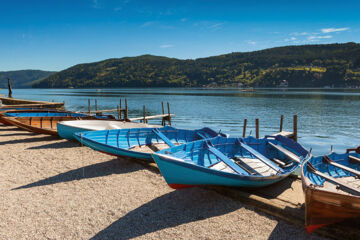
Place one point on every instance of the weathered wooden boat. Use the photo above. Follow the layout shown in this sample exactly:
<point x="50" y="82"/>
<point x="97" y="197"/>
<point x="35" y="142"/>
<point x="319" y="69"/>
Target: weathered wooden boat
<point x="14" y="102"/>
<point x="331" y="186"/>
<point x="247" y="162"/>
<point x="141" y="142"/>
<point x="67" y="129"/>
<point x="6" y="112"/>
<point x="45" y="124"/>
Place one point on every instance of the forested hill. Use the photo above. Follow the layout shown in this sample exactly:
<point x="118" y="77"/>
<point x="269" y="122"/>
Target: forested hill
<point x="335" y="65"/>
<point x="22" y="78"/>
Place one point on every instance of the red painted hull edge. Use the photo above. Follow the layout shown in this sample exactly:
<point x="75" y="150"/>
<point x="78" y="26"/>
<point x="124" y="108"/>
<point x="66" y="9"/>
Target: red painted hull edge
<point x="180" y="186"/>
<point x="312" y="228"/>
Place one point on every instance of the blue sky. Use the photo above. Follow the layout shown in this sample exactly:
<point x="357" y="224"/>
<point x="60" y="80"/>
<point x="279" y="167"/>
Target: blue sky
<point x="56" y="34"/>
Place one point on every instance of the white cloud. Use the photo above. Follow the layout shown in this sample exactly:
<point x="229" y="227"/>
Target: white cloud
<point x="319" y="37"/>
<point x="206" y="25"/>
<point x="289" y="39"/>
<point x="329" y="30"/>
<point x="166" y="46"/>
<point x="299" y="33"/>
<point x="183" y="19"/>
<point x="251" y="42"/>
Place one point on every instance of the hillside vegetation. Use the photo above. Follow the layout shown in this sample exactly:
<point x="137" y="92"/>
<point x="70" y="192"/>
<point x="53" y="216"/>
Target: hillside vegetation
<point x="335" y="65"/>
<point x="22" y="78"/>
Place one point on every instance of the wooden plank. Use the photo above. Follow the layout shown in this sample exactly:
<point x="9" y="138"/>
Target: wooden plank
<point x="355" y="159"/>
<point x="107" y="110"/>
<point x="227" y="161"/>
<point x="332" y="163"/>
<point x="332" y="180"/>
<point x="151" y="117"/>
<point x="261" y="157"/>
<point x="284" y="134"/>
<point x="286" y="152"/>
<point x="163" y="137"/>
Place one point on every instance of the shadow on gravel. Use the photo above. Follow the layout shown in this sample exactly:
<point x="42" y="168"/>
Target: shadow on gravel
<point x="114" y="166"/>
<point x="11" y="128"/>
<point x="169" y="210"/>
<point x="18" y="134"/>
<point x="57" y="145"/>
<point x="30" y="140"/>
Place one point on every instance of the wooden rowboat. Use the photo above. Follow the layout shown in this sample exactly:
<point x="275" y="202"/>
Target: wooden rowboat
<point x="331" y="186"/>
<point x="247" y="162"/>
<point x="6" y="112"/>
<point x="42" y="125"/>
<point x="140" y="143"/>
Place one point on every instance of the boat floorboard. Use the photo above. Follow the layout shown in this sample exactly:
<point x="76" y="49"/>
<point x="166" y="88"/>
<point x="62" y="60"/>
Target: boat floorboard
<point x="352" y="181"/>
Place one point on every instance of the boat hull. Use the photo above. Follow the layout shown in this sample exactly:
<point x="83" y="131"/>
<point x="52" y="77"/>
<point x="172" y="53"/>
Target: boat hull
<point x="119" y="152"/>
<point x="67" y="132"/>
<point x="140" y="143"/>
<point x="41" y="125"/>
<point x="180" y="175"/>
<point x="325" y="206"/>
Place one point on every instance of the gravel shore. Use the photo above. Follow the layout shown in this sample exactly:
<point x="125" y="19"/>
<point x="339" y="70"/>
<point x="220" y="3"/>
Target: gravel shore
<point x="56" y="189"/>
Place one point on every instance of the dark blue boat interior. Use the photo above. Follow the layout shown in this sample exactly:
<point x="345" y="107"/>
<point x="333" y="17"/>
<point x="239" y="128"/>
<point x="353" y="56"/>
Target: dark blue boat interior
<point x="335" y="172"/>
<point x="198" y="152"/>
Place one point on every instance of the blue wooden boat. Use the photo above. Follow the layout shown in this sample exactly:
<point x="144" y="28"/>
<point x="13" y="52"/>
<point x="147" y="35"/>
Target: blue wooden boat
<point x="247" y="162"/>
<point x="332" y="188"/>
<point x="141" y="142"/>
<point x="67" y="129"/>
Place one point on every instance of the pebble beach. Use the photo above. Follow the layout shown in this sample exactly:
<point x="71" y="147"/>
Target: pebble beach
<point x="57" y="189"/>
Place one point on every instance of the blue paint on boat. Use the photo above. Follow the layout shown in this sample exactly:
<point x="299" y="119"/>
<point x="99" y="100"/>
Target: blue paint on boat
<point x="192" y="163"/>
<point x="330" y="170"/>
<point x="119" y="142"/>
<point x="44" y="114"/>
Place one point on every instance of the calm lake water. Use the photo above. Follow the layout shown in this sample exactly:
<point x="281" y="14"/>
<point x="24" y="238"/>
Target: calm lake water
<point x="326" y="117"/>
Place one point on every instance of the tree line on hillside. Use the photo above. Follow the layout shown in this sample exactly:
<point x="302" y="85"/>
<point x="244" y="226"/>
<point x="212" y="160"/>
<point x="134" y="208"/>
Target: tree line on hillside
<point x="22" y="78"/>
<point x="335" y="65"/>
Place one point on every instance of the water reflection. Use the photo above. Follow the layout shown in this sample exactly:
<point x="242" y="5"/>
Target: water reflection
<point x="326" y="116"/>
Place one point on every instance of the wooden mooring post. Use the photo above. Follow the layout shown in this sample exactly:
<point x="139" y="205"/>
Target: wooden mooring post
<point x="257" y="127"/>
<point x="169" y="114"/>
<point x="163" y="113"/>
<point x="119" y="112"/>
<point x="281" y="122"/>
<point x="10" y="89"/>
<point x="144" y="115"/>
<point x="295" y="136"/>
<point x="244" y="127"/>
<point x="126" y="111"/>
<point x="89" y="106"/>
